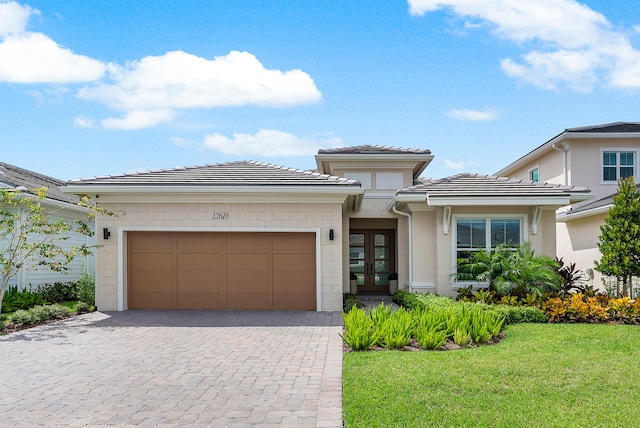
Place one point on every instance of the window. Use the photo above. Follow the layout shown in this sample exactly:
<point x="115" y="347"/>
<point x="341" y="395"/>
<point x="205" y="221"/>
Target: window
<point x="473" y="234"/>
<point x="533" y="175"/>
<point x="616" y="165"/>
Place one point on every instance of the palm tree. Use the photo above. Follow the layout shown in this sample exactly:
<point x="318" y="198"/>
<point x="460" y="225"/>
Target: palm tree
<point x="511" y="270"/>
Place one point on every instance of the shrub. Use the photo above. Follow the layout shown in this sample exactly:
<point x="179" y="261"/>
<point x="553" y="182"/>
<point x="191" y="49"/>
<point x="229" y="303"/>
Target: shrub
<point x="86" y="288"/>
<point x="22" y="316"/>
<point x="59" y="292"/>
<point x="396" y="330"/>
<point x="350" y="301"/>
<point x="430" y="338"/>
<point x="359" y="332"/>
<point x="82" y="307"/>
<point x="23" y="299"/>
<point x="39" y="313"/>
<point x="520" y="314"/>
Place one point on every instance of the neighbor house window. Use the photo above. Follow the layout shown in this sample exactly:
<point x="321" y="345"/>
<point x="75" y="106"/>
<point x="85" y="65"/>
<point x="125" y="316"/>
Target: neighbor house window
<point x="533" y="175"/>
<point x="616" y="165"/>
<point x="479" y="233"/>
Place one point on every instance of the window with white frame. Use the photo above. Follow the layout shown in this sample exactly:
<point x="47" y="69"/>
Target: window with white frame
<point x="617" y="164"/>
<point x="533" y="174"/>
<point x="486" y="233"/>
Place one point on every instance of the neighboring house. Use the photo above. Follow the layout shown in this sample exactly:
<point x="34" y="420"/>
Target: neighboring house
<point x="62" y="205"/>
<point x="250" y="235"/>
<point x="594" y="157"/>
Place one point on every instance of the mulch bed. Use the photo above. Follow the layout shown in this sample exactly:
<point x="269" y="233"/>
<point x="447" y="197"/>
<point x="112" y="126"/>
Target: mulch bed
<point x="13" y="327"/>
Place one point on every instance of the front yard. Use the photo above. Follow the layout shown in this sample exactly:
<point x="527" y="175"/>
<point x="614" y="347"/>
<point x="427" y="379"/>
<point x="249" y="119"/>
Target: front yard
<point x="540" y="375"/>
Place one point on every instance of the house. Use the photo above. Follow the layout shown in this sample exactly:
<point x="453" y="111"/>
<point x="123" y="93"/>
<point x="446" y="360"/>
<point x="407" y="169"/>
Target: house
<point x="591" y="156"/>
<point x="251" y="235"/>
<point x="61" y="205"/>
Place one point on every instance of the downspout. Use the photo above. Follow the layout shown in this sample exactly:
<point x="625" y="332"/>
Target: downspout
<point x="563" y="147"/>
<point x="393" y="208"/>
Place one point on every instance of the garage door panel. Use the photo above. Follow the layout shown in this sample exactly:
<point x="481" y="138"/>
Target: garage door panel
<point x="248" y="301"/>
<point x="199" y="301"/>
<point x="294" y="243"/>
<point x="205" y="262"/>
<point x="302" y="262"/>
<point x="192" y="242"/>
<point x="198" y="281"/>
<point x="218" y="270"/>
<point x="248" y="281"/>
<point x="156" y="300"/>
<point x="152" y="281"/>
<point x="293" y="281"/>
<point x="247" y="243"/>
<point x="294" y="301"/>
<point x="152" y="261"/>
<point x="151" y="241"/>
<point x="248" y="261"/>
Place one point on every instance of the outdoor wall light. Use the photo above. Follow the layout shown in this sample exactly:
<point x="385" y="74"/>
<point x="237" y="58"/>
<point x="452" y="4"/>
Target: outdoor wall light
<point x="105" y="233"/>
<point x="330" y="234"/>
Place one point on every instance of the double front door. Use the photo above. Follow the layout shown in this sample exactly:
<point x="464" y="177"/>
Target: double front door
<point x="372" y="258"/>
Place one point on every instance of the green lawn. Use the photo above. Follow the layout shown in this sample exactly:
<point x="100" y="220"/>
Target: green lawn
<point x="540" y="375"/>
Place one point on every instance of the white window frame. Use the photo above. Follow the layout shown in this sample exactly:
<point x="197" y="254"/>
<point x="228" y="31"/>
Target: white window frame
<point x="535" y="168"/>
<point x="617" y="151"/>
<point x="487" y="217"/>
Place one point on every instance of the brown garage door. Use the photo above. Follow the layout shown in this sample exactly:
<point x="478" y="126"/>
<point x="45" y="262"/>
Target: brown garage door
<point x="214" y="270"/>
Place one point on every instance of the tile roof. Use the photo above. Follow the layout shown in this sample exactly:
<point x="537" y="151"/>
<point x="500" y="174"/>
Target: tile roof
<point x="244" y="173"/>
<point x="609" y="127"/>
<point x="372" y="150"/>
<point x="605" y="201"/>
<point x="12" y="176"/>
<point x="487" y="185"/>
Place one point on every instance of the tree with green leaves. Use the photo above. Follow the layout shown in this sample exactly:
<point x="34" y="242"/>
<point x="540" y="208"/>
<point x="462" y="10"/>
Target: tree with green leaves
<point x="619" y="242"/>
<point x="32" y="235"/>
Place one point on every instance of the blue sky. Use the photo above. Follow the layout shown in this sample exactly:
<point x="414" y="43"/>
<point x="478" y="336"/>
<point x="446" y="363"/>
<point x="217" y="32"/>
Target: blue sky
<point x="95" y="88"/>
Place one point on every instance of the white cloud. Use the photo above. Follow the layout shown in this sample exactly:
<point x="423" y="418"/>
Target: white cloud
<point x="14" y="17"/>
<point x="269" y="142"/>
<point x="84" y="122"/>
<point x="35" y="58"/>
<point x="178" y="80"/>
<point x="581" y="47"/>
<point x="139" y="119"/>
<point x="473" y="115"/>
<point x="459" y="166"/>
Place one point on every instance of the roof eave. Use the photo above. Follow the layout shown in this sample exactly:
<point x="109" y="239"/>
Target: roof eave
<point x="499" y="200"/>
<point x="84" y="189"/>
<point x="568" y="216"/>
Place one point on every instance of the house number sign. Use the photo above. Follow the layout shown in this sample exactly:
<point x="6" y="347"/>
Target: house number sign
<point x="220" y="216"/>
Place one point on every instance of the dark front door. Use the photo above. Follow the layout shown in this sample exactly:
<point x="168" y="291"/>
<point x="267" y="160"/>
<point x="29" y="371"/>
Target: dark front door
<point x="372" y="258"/>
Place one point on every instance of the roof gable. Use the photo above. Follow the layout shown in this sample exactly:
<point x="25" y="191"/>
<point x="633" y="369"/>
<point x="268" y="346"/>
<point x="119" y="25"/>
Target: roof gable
<point x="615" y="130"/>
<point x="244" y="173"/>
<point x="480" y="187"/>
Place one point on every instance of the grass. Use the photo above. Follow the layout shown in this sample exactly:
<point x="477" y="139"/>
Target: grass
<point x="540" y="375"/>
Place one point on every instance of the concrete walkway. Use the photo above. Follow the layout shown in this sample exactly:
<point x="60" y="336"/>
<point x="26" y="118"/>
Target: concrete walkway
<point x="170" y="368"/>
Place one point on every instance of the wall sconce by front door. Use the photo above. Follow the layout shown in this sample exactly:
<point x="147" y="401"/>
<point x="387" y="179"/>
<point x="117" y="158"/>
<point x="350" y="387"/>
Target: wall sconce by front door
<point x="105" y="233"/>
<point x="330" y="234"/>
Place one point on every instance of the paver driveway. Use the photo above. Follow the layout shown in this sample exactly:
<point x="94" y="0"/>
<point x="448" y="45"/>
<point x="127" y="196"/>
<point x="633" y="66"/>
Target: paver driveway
<point x="168" y="368"/>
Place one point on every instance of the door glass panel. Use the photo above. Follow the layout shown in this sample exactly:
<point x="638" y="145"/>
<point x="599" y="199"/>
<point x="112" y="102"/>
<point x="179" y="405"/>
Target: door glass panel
<point x="381" y="240"/>
<point x="356" y="239"/>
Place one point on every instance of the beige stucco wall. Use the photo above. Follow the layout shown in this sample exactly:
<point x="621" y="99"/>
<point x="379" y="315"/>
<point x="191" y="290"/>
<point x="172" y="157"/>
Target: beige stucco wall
<point x="578" y="243"/>
<point x="250" y="217"/>
<point x="550" y="168"/>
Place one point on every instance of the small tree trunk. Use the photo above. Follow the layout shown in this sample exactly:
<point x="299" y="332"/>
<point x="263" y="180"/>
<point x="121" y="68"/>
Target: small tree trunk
<point x="5" y="282"/>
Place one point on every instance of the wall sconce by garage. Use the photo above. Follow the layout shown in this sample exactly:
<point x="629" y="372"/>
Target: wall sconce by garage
<point x="105" y="233"/>
<point x="330" y="234"/>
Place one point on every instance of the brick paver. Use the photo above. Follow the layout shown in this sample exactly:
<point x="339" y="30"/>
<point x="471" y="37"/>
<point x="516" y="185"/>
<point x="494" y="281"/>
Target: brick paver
<point x="172" y="368"/>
